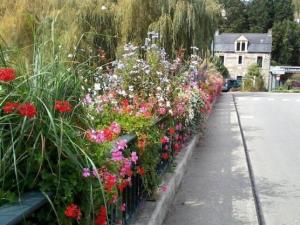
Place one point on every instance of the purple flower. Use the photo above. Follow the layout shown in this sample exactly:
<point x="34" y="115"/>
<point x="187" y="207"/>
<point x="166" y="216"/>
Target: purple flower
<point x="86" y="172"/>
<point x="88" y="99"/>
<point x="134" y="157"/>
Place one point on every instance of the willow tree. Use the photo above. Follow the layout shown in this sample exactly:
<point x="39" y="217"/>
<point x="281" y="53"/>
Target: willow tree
<point x="186" y="23"/>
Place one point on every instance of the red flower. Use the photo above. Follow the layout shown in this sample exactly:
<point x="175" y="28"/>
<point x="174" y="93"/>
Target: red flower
<point x="141" y="170"/>
<point x="7" y="74"/>
<point x="73" y="212"/>
<point x="101" y="217"/>
<point x="123" y="185"/>
<point x="63" y="106"/>
<point x="10" y="107"/>
<point x="27" y="109"/>
<point x="125" y="103"/>
<point x="108" y="134"/>
<point x="109" y="182"/>
<point x="177" y="147"/>
<point x="164" y="140"/>
<point x="165" y="156"/>
<point x="172" y="131"/>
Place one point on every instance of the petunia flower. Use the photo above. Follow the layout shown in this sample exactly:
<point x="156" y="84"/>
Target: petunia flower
<point x="86" y="172"/>
<point x="134" y="157"/>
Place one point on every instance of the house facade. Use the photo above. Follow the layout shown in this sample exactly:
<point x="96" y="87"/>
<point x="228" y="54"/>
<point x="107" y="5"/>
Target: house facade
<point x="238" y="51"/>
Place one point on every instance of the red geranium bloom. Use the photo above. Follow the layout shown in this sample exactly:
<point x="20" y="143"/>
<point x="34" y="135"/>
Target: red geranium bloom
<point x="125" y="103"/>
<point x="7" y="74"/>
<point x="164" y="140"/>
<point x="172" y="131"/>
<point x="109" y="182"/>
<point x="10" y="107"/>
<point x="73" y="212"/>
<point x="165" y="156"/>
<point x="108" y="134"/>
<point x="101" y="217"/>
<point x="63" y="106"/>
<point x="27" y="109"/>
<point x="123" y="185"/>
<point x="141" y="170"/>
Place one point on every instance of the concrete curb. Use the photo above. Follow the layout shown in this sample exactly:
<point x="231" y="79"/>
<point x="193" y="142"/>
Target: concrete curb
<point x="154" y="213"/>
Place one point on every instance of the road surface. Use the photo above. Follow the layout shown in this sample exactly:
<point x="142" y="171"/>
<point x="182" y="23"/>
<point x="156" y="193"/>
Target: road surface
<point x="271" y="124"/>
<point x="218" y="188"/>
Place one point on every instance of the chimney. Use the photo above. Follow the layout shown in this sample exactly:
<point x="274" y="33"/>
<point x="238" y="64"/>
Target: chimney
<point x="270" y="32"/>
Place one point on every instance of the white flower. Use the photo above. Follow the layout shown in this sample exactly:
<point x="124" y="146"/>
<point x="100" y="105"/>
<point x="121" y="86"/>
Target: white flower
<point x="70" y="55"/>
<point x="103" y="7"/>
<point x="168" y="104"/>
<point x="130" y="88"/>
<point x="97" y="87"/>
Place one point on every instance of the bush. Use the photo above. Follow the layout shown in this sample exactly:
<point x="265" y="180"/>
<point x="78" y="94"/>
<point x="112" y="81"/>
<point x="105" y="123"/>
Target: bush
<point x="254" y="80"/>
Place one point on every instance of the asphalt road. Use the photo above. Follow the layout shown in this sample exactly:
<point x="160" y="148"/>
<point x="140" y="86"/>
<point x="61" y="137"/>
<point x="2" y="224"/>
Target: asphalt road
<point x="271" y="124"/>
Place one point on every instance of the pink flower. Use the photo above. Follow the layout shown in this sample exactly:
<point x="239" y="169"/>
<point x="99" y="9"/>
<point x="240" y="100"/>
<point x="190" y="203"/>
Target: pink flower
<point x="86" y="172"/>
<point x="134" y="157"/>
<point x="88" y="99"/>
<point x="126" y="168"/>
<point x="123" y="207"/>
<point x="164" y="188"/>
<point x="164" y="140"/>
<point x="117" y="156"/>
<point x="162" y="111"/>
<point x="115" y="128"/>
<point x="178" y="126"/>
<point x="121" y="145"/>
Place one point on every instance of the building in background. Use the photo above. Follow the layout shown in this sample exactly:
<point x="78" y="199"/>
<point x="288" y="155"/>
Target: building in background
<point x="238" y="51"/>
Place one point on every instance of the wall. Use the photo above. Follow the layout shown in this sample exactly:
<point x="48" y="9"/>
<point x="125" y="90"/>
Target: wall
<point x="231" y="62"/>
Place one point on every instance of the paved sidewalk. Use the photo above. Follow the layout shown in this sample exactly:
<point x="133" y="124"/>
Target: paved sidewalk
<point x="216" y="189"/>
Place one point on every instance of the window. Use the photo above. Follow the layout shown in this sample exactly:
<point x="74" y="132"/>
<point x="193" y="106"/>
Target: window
<point x="241" y="46"/>
<point x="222" y="59"/>
<point x="259" y="61"/>
<point x="238" y="46"/>
<point x="240" y="60"/>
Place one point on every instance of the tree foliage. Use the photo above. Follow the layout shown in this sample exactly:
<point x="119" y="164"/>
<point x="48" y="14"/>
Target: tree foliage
<point x="235" y="20"/>
<point x="286" y="43"/>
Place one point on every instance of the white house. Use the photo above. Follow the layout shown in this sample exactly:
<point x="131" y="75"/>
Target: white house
<point x="238" y="51"/>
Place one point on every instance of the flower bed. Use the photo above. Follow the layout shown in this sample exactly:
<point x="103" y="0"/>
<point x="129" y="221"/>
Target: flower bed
<point x="62" y="125"/>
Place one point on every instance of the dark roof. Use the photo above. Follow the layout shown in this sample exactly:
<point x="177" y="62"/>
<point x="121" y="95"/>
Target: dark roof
<point x="258" y="43"/>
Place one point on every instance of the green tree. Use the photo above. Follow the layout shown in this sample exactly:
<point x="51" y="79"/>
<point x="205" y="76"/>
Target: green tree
<point x="260" y="14"/>
<point x="235" y="20"/>
<point x="220" y="67"/>
<point x="254" y="80"/>
<point x="283" y="10"/>
<point x="286" y="43"/>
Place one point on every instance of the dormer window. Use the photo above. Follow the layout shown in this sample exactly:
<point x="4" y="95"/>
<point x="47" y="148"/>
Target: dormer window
<point x="241" y="46"/>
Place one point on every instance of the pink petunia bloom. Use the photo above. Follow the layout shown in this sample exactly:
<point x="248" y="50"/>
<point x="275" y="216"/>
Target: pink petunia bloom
<point x="115" y="128"/>
<point x="134" y="157"/>
<point x="117" y="156"/>
<point x="86" y="172"/>
<point x="121" y="145"/>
